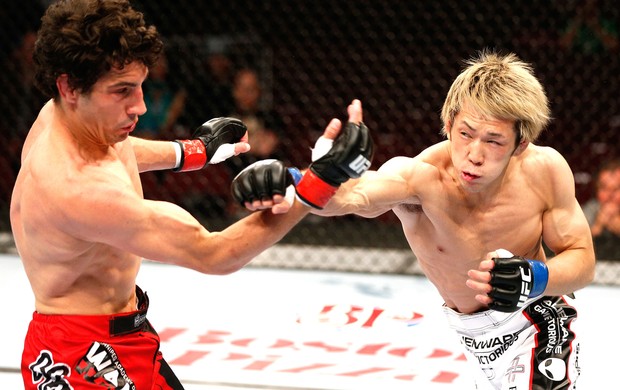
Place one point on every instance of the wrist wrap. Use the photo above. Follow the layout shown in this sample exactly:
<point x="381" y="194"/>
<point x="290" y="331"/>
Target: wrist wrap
<point x="313" y="191"/>
<point x="540" y="274"/>
<point x="514" y="280"/>
<point x="193" y="156"/>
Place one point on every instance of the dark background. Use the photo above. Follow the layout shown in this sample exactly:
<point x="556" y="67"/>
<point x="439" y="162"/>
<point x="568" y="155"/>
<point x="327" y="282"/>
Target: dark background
<point x="314" y="57"/>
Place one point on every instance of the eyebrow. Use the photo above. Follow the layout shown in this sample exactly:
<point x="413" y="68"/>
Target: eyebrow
<point x="123" y="84"/>
<point x="492" y="134"/>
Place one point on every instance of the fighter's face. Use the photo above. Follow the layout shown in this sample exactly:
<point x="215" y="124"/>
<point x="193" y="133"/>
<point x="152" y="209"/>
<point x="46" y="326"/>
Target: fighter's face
<point x="480" y="147"/>
<point x="110" y="110"/>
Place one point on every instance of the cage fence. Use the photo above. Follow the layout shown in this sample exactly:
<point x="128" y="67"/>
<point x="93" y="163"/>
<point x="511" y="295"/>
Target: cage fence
<point x="312" y="58"/>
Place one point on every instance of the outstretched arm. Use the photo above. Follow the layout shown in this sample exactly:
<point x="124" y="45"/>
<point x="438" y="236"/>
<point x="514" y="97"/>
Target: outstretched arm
<point x="368" y="195"/>
<point x="115" y="215"/>
<point x="211" y="143"/>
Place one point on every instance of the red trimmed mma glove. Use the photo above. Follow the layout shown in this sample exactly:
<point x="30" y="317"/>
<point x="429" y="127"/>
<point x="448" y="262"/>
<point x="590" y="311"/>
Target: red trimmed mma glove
<point x="211" y="143"/>
<point x="349" y="157"/>
<point x="514" y="280"/>
<point x="261" y="180"/>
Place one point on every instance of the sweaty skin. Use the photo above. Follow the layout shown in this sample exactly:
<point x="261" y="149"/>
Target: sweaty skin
<point x="461" y="199"/>
<point x="80" y="222"/>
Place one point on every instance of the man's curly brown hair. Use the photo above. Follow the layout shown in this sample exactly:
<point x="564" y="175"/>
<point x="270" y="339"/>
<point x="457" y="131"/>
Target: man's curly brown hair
<point x="86" y="38"/>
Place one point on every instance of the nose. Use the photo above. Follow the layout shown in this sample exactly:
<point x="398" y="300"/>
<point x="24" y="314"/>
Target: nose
<point x="475" y="153"/>
<point x="137" y="105"/>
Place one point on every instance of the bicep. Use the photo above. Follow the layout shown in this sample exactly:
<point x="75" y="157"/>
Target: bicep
<point x="153" y="230"/>
<point x="565" y="227"/>
<point x="564" y="223"/>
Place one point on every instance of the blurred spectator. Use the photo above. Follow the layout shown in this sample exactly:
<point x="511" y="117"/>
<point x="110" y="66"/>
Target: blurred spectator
<point x="590" y="31"/>
<point x="164" y="102"/>
<point x="20" y="101"/>
<point x="209" y="86"/>
<point x="603" y="212"/>
<point x="265" y="126"/>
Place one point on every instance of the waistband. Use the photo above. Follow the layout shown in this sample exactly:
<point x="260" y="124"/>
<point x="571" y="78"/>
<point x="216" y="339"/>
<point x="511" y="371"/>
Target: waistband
<point x="477" y="321"/>
<point x="483" y="319"/>
<point x="110" y="324"/>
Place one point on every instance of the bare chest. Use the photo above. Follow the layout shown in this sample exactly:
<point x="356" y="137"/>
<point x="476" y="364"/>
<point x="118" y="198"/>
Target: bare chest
<point x="471" y="232"/>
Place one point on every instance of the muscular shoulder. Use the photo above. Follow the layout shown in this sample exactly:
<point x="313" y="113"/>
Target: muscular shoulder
<point x="79" y="195"/>
<point x="423" y="167"/>
<point x="420" y="175"/>
<point x="546" y="169"/>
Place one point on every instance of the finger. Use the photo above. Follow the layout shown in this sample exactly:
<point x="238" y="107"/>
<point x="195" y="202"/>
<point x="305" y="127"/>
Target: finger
<point x="249" y="206"/>
<point x="486" y="265"/>
<point x="277" y="199"/>
<point x="484" y="288"/>
<point x="281" y="208"/>
<point x="484" y="299"/>
<point x="241" y="147"/>
<point x="355" y="111"/>
<point x="480" y="276"/>
<point x="333" y="129"/>
<point x="262" y="204"/>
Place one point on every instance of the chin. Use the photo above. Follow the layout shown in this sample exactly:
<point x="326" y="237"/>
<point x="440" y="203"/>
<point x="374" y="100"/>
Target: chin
<point x="471" y="188"/>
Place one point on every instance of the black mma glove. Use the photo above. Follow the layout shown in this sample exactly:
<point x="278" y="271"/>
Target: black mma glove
<point x="349" y="157"/>
<point x="261" y="180"/>
<point x="211" y="143"/>
<point x="514" y="280"/>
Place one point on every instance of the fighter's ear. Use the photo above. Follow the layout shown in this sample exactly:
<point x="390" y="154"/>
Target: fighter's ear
<point x="448" y="128"/>
<point x="65" y="90"/>
<point x="520" y="148"/>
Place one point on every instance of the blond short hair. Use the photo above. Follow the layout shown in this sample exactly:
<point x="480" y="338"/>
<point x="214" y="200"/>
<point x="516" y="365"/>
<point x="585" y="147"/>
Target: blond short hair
<point x="502" y="87"/>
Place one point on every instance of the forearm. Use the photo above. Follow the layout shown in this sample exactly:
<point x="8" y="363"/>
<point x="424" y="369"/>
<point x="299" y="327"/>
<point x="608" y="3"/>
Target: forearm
<point x="154" y="155"/>
<point x="570" y="270"/>
<point x="349" y="201"/>
<point x="172" y="235"/>
<point x="241" y="242"/>
<point x="368" y="197"/>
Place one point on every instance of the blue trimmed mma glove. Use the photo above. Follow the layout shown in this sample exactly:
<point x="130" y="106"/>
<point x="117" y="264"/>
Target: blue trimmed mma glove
<point x="514" y="279"/>
<point x="334" y="162"/>
<point x="348" y="158"/>
<point x="261" y="180"/>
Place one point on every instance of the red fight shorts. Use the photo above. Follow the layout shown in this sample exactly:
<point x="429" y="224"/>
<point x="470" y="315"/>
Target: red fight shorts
<point x="71" y="352"/>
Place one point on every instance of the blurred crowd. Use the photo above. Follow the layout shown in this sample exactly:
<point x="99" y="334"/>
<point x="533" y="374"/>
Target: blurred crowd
<point x="177" y="103"/>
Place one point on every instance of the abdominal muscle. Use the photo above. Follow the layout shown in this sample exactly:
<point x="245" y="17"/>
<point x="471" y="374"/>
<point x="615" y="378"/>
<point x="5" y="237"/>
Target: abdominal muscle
<point x="98" y="281"/>
<point x="445" y="260"/>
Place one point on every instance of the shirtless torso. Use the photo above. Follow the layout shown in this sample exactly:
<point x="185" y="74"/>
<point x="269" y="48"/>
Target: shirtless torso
<point x="78" y="215"/>
<point x="461" y="199"/>
<point x="451" y="233"/>
<point x="70" y="274"/>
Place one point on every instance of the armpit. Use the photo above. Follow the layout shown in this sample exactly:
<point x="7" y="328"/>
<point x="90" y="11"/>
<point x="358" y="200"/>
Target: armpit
<point x="411" y="208"/>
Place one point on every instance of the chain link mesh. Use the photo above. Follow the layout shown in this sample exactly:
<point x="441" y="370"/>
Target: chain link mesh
<point x="314" y="57"/>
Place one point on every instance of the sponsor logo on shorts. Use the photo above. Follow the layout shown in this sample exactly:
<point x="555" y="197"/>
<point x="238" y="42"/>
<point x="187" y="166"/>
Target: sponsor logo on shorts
<point x="489" y="350"/>
<point x="514" y="369"/>
<point x="555" y="320"/>
<point x="48" y="375"/>
<point x="553" y="368"/>
<point x="101" y="366"/>
<point x="139" y="320"/>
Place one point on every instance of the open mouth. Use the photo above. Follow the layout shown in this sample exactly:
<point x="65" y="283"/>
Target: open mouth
<point x="129" y="128"/>
<point x="469" y="176"/>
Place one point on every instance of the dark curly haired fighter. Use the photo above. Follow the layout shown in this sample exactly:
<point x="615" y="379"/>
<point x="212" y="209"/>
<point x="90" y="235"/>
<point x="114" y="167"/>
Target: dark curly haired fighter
<point x="78" y="215"/>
